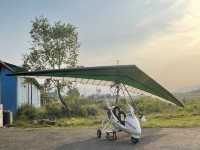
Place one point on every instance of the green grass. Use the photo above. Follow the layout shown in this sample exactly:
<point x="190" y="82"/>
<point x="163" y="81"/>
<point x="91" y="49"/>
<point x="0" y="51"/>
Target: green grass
<point x="78" y="122"/>
<point x="63" y="122"/>
<point x="172" y="121"/>
<point x="153" y="121"/>
<point x="28" y="124"/>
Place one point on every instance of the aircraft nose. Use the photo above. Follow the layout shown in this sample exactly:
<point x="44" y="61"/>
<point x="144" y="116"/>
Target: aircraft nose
<point x="136" y="134"/>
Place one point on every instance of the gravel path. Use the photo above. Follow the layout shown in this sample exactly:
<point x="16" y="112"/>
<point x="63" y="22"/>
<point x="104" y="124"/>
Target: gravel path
<point x="85" y="139"/>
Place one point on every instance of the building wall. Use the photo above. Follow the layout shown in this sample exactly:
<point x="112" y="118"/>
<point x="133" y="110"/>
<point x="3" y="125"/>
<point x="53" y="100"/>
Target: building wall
<point x="27" y="93"/>
<point x="0" y="86"/>
<point x="14" y="92"/>
<point x="35" y="96"/>
<point x="22" y="93"/>
<point x="8" y="90"/>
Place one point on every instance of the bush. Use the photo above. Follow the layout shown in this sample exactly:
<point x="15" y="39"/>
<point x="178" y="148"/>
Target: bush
<point x="81" y="106"/>
<point x="92" y="110"/>
<point x="88" y="110"/>
<point x="82" y="112"/>
<point x="27" y="112"/>
<point x="151" y="105"/>
<point x="192" y="106"/>
<point x="54" y="110"/>
<point x="78" y="107"/>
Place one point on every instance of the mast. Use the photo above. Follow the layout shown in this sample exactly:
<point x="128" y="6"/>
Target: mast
<point x="117" y="84"/>
<point x="117" y="93"/>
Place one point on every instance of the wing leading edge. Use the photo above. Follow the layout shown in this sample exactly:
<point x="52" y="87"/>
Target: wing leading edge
<point x="130" y="75"/>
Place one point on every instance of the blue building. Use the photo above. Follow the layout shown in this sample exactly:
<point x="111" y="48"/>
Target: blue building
<point x="17" y="91"/>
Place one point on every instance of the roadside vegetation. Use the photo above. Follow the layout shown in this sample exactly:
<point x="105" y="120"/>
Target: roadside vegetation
<point x="86" y="112"/>
<point x="161" y="114"/>
<point x="82" y="112"/>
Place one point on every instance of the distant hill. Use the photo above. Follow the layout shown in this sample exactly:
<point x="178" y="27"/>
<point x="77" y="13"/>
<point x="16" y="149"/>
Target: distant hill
<point x="193" y="94"/>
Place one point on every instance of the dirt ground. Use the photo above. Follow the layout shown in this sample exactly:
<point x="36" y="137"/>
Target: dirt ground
<point x="85" y="139"/>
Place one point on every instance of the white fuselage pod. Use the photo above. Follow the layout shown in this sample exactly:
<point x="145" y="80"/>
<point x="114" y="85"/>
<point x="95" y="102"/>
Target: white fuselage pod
<point x="132" y="124"/>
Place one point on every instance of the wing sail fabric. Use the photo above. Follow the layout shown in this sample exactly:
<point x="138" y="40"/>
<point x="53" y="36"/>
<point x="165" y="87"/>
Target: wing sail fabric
<point x="130" y="75"/>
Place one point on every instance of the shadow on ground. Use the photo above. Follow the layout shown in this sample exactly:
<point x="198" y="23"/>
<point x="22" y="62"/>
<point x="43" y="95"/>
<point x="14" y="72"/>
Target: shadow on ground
<point x="103" y="144"/>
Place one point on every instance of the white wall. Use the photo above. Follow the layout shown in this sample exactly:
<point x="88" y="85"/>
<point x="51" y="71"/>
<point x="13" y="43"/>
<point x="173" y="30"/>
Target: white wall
<point x="27" y="93"/>
<point x="35" y="96"/>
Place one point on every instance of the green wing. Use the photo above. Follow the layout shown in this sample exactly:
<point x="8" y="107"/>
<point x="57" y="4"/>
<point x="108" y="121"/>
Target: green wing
<point x="130" y="75"/>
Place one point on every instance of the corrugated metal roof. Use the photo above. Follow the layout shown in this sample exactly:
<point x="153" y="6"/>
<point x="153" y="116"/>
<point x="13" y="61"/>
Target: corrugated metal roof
<point x="11" y="67"/>
<point x="14" y="68"/>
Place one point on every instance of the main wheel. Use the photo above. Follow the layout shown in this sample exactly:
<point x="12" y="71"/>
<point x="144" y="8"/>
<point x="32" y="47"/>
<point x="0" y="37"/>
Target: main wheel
<point x="114" y="136"/>
<point x="99" y="133"/>
<point x="134" y="140"/>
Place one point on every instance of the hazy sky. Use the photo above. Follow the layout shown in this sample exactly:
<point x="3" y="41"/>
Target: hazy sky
<point x="162" y="37"/>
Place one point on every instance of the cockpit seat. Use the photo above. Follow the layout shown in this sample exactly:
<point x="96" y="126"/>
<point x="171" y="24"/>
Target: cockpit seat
<point x="119" y="114"/>
<point x="122" y="117"/>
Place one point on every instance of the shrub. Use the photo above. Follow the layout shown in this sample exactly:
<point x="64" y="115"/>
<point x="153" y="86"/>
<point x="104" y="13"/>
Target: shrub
<point x="78" y="107"/>
<point x="53" y="110"/>
<point x="192" y="106"/>
<point x="92" y="110"/>
<point x="150" y="105"/>
<point x="82" y="112"/>
<point x="27" y="112"/>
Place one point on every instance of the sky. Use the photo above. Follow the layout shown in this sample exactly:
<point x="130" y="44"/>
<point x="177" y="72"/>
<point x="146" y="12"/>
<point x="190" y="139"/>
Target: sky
<point x="162" y="37"/>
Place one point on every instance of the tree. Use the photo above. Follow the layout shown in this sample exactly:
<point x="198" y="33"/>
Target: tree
<point x="54" y="46"/>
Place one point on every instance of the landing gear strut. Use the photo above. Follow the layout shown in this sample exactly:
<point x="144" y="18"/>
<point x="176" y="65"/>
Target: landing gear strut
<point x="99" y="133"/>
<point x="113" y="137"/>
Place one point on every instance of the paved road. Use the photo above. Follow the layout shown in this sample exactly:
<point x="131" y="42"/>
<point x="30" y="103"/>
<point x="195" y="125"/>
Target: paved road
<point x="85" y="139"/>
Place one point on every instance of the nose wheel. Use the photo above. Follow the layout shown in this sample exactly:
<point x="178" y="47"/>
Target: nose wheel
<point x="134" y="140"/>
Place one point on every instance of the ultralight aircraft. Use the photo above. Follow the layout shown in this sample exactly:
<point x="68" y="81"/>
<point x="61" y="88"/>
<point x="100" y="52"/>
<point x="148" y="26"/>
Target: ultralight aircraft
<point x="120" y="77"/>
